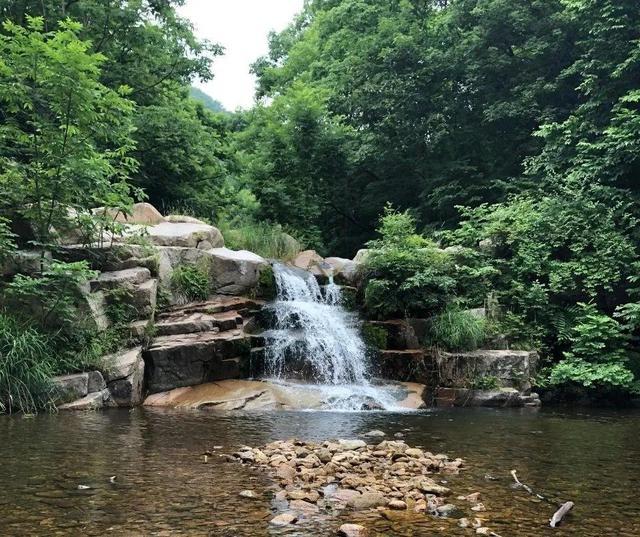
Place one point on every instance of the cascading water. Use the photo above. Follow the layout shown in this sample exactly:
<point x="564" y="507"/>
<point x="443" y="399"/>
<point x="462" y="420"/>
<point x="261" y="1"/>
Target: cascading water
<point x="316" y="339"/>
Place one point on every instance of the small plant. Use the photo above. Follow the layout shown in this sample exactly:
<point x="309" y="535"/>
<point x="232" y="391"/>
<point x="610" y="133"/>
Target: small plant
<point x="457" y="330"/>
<point x="120" y="309"/>
<point x="266" y="286"/>
<point x="374" y="336"/>
<point x="190" y="283"/>
<point x="486" y="382"/>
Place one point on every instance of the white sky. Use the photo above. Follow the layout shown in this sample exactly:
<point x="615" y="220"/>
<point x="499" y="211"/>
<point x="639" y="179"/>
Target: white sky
<point x="242" y="27"/>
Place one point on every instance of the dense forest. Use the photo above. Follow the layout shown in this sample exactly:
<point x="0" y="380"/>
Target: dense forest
<point x="506" y="132"/>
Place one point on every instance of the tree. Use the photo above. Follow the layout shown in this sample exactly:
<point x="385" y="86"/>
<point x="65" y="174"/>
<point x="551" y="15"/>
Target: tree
<point x="65" y="138"/>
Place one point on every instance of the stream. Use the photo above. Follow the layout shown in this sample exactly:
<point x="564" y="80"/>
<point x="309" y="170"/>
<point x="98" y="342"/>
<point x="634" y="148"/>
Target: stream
<point x="163" y="487"/>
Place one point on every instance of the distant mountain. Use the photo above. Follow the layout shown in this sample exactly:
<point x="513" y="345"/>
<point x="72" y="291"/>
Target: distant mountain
<point x="208" y="101"/>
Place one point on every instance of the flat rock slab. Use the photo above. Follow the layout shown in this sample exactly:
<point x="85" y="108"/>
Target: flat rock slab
<point x="70" y="387"/>
<point x="184" y="234"/>
<point x="265" y="395"/>
<point x="92" y="401"/>
<point x="189" y="323"/>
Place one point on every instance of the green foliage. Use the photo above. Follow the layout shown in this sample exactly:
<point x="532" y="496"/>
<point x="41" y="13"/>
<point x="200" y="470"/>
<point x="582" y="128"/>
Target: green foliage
<point x="374" y="336"/>
<point x="457" y="330"/>
<point x="7" y="241"/>
<point x="267" y="240"/>
<point x="65" y="138"/>
<point x="50" y="298"/>
<point x="120" y="309"/>
<point x="209" y="102"/>
<point x="408" y="275"/>
<point x="190" y="283"/>
<point x="486" y="382"/>
<point x="25" y="367"/>
<point x="266" y="287"/>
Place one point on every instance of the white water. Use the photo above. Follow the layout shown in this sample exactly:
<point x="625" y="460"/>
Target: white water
<point x="314" y="337"/>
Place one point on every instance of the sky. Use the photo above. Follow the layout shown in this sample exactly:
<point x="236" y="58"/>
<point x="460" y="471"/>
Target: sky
<point x="242" y="27"/>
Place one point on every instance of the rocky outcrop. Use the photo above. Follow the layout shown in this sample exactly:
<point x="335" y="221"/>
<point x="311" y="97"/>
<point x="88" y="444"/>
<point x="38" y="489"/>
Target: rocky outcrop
<point x="344" y="271"/>
<point x="510" y="369"/>
<point x="502" y="397"/>
<point x="133" y="286"/>
<point x="203" y="342"/>
<point x="185" y="235"/>
<point x="310" y="261"/>
<point x="124" y="375"/>
<point x="183" y="219"/>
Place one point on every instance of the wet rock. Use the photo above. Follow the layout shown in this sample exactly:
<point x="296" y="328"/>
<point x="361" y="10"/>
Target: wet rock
<point x="446" y="510"/>
<point x="352" y="530"/>
<point x="247" y="494"/>
<point x="303" y="506"/>
<point x="397" y="505"/>
<point x="283" y="519"/>
<point x="70" y="387"/>
<point x="92" y="401"/>
<point x="124" y="374"/>
<point x="479" y="507"/>
<point x="367" y="500"/>
<point x="374" y="434"/>
<point x="420" y="506"/>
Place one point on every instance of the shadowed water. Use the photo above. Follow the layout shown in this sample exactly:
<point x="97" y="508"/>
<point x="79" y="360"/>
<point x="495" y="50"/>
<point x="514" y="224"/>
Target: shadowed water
<point x="163" y="486"/>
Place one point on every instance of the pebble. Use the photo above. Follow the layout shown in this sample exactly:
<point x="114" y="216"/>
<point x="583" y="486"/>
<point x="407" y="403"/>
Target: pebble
<point x="283" y="519"/>
<point x="375" y="433"/>
<point x="397" y="505"/>
<point x="352" y="530"/>
<point x="247" y="494"/>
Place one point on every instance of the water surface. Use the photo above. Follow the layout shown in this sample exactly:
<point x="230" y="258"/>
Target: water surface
<point x="163" y="487"/>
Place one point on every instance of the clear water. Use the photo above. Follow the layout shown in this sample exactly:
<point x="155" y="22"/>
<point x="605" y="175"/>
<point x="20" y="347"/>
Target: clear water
<point x="313" y="330"/>
<point x="163" y="487"/>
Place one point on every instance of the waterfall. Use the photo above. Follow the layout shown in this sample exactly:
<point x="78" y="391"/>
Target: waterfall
<point x="314" y="338"/>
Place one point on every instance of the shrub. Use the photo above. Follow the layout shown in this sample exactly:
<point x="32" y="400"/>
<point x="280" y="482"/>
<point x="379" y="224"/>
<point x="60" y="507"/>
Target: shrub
<point x="265" y="239"/>
<point x="457" y="330"/>
<point x="374" y="336"/>
<point x="190" y="283"/>
<point x="408" y="275"/>
<point x="486" y="382"/>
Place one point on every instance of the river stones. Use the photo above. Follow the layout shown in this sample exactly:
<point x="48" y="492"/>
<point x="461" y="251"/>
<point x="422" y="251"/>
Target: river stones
<point x="283" y="519"/>
<point x="352" y="530"/>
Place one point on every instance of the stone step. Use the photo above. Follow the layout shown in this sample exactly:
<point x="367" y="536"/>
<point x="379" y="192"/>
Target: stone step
<point x="218" y="304"/>
<point x="188" y="359"/>
<point x="198" y="322"/>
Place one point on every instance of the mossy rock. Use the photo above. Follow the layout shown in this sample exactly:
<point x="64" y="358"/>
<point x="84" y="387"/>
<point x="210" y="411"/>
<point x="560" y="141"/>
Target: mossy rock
<point x="374" y="336"/>
<point x="266" y="286"/>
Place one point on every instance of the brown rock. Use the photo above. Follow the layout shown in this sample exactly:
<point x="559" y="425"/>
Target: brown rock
<point x="397" y="505"/>
<point x="303" y="506"/>
<point x="352" y="530"/>
<point x="283" y="519"/>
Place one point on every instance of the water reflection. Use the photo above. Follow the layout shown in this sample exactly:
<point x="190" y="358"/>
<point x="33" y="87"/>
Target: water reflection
<point x="163" y="486"/>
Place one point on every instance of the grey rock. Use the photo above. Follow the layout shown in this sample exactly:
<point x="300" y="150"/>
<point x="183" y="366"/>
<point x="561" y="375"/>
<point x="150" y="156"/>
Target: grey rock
<point x="70" y="387"/>
<point x="121" y="278"/>
<point x="235" y="272"/>
<point x="95" y="382"/>
<point x="184" y="234"/>
<point x="92" y="401"/>
<point x="124" y="373"/>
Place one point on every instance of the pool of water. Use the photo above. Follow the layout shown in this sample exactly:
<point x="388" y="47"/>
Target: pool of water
<point x="163" y="486"/>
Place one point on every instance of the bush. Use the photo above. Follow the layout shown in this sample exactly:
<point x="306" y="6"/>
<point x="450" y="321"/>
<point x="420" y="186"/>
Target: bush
<point x="267" y="240"/>
<point x="408" y="275"/>
<point x="190" y="283"/>
<point x="457" y="330"/>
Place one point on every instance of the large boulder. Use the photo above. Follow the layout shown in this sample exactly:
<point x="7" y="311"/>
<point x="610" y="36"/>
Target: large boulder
<point x="361" y="256"/>
<point x="70" y="387"/>
<point x="311" y="261"/>
<point x="25" y="262"/>
<point x="235" y="272"/>
<point x="184" y="234"/>
<point x="344" y="270"/>
<point x="141" y="213"/>
<point x="124" y="375"/>
<point x="120" y="278"/>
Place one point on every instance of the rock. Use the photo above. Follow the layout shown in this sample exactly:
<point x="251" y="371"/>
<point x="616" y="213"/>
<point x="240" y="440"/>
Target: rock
<point x="397" y="505"/>
<point x="70" y="387"/>
<point x="143" y="298"/>
<point x="124" y="374"/>
<point x="183" y="219"/>
<point x="429" y="486"/>
<point x="352" y="530"/>
<point x="285" y="472"/>
<point x="479" y="507"/>
<point x="351" y="445"/>
<point x="92" y="401"/>
<point x="93" y="307"/>
<point x="247" y="494"/>
<point x="120" y="278"/>
<point x="483" y="531"/>
<point x="192" y="359"/>
<point x="367" y="500"/>
<point x="25" y="262"/>
<point x="205" y="245"/>
<point x="344" y="270"/>
<point x="513" y="369"/>
<point x="141" y="213"/>
<point x="374" y="434"/>
<point x="184" y="235"/>
<point x="446" y="510"/>
<point x="420" y="506"/>
<point x="235" y="272"/>
<point x="310" y="261"/>
<point x="303" y="506"/>
<point x="283" y="519"/>
<point x="361" y="256"/>
<point x="95" y="382"/>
